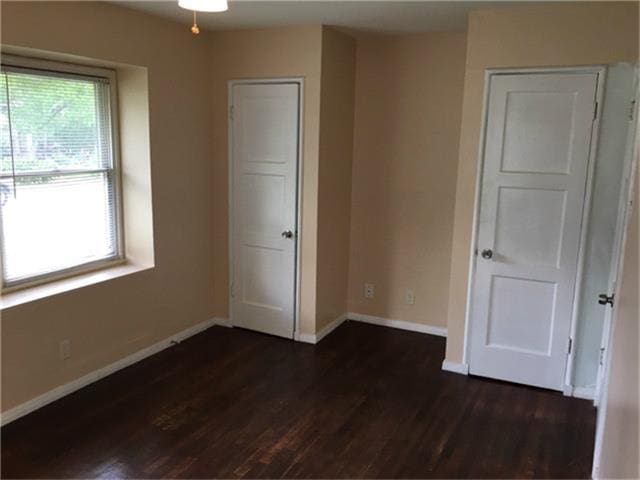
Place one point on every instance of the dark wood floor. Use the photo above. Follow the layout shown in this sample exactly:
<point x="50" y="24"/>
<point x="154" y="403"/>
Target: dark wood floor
<point x="367" y="401"/>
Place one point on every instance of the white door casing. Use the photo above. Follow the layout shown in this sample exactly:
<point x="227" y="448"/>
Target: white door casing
<point x="264" y="160"/>
<point x="536" y="158"/>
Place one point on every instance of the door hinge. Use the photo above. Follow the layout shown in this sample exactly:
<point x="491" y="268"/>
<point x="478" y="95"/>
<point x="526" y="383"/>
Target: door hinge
<point x="604" y="299"/>
<point x="595" y="111"/>
<point x="569" y="345"/>
<point x="231" y="112"/>
<point x="233" y="290"/>
<point x="601" y="356"/>
<point x="632" y="109"/>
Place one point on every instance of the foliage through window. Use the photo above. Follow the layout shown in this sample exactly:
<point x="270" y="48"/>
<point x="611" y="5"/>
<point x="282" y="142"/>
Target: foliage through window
<point x="58" y="181"/>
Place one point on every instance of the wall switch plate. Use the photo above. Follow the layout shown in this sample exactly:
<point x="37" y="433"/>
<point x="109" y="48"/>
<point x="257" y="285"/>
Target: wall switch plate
<point x="65" y="349"/>
<point x="410" y="297"/>
<point x="369" y="290"/>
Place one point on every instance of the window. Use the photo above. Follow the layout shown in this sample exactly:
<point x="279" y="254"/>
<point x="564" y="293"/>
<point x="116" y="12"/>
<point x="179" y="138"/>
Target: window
<point x="58" y="170"/>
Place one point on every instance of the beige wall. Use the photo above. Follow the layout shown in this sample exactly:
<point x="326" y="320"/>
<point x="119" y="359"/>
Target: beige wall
<point x="619" y="458"/>
<point x="558" y="35"/>
<point x="407" y="117"/>
<point x="279" y="52"/>
<point x="334" y="187"/>
<point x="110" y="320"/>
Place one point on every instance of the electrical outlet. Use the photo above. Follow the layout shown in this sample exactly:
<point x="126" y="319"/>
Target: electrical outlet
<point x="369" y="290"/>
<point x="65" y="349"/>
<point x="410" y="297"/>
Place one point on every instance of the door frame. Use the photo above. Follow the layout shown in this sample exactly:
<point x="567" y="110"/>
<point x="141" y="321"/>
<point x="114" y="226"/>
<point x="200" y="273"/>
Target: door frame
<point x="295" y="335"/>
<point x="489" y="73"/>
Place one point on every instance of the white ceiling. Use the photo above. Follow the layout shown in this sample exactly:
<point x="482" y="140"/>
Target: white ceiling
<point x="390" y="16"/>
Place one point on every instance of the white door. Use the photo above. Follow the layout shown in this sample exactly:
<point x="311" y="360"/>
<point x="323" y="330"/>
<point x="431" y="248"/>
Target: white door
<point x="536" y="156"/>
<point x="621" y="226"/>
<point x="264" y="159"/>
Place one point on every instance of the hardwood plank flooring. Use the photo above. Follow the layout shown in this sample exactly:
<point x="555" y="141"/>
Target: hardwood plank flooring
<point x="367" y="401"/>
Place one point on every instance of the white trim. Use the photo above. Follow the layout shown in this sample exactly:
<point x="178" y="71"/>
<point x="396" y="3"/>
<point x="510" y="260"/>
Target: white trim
<point x="400" y="324"/>
<point x="222" y="322"/>
<point x="600" y="70"/>
<point x="306" y="338"/>
<point x="455" y="367"/>
<point x="371" y="319"/>
<point x="313" y="339"/>
<point x="63" y="390"/>
<point x="587" y="393"/>
<point x="299" y="172"/>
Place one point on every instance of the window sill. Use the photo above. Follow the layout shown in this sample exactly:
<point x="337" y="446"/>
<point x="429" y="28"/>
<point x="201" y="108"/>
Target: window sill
<point x="20" y="297"/>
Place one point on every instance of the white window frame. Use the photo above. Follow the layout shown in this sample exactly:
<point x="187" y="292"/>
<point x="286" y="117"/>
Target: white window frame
<point x="69" y="70"/>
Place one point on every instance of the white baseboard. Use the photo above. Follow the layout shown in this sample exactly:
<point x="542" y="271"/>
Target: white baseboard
<point x="223" y="322"/>
<point x="385" y="322"/>
<point x="63" y="390"/>
<point x="455" y="367"/>
<point x="400" y="324"/>
<point x="587" y="393"/>
<point x="313" y="339"/>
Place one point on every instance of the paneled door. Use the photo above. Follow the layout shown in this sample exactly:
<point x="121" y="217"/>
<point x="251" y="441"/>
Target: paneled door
<point x="536" y="157"/>
<point x="264" y="162"/>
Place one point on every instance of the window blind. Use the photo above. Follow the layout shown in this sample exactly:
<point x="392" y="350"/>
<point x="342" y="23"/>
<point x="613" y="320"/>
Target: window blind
<point x="58" y="205"/>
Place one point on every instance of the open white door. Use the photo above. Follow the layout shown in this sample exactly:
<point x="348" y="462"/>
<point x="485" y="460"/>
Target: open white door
<point x="624" y="219"/>
<point x="607" y="298"/>
<point x="536" y="157"/>
<point x="264" y="158"/>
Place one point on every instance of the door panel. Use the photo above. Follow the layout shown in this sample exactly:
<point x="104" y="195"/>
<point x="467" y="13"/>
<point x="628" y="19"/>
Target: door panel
<point x="529" y="225"/>
<point x="521" y="331"/>
<point x="264" y="184"/>
<point x="531" y="147"/>
<point x="537" y="147"/>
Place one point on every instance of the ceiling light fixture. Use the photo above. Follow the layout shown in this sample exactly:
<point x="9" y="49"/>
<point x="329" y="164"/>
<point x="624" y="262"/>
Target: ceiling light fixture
<point x="208" y="6"/>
